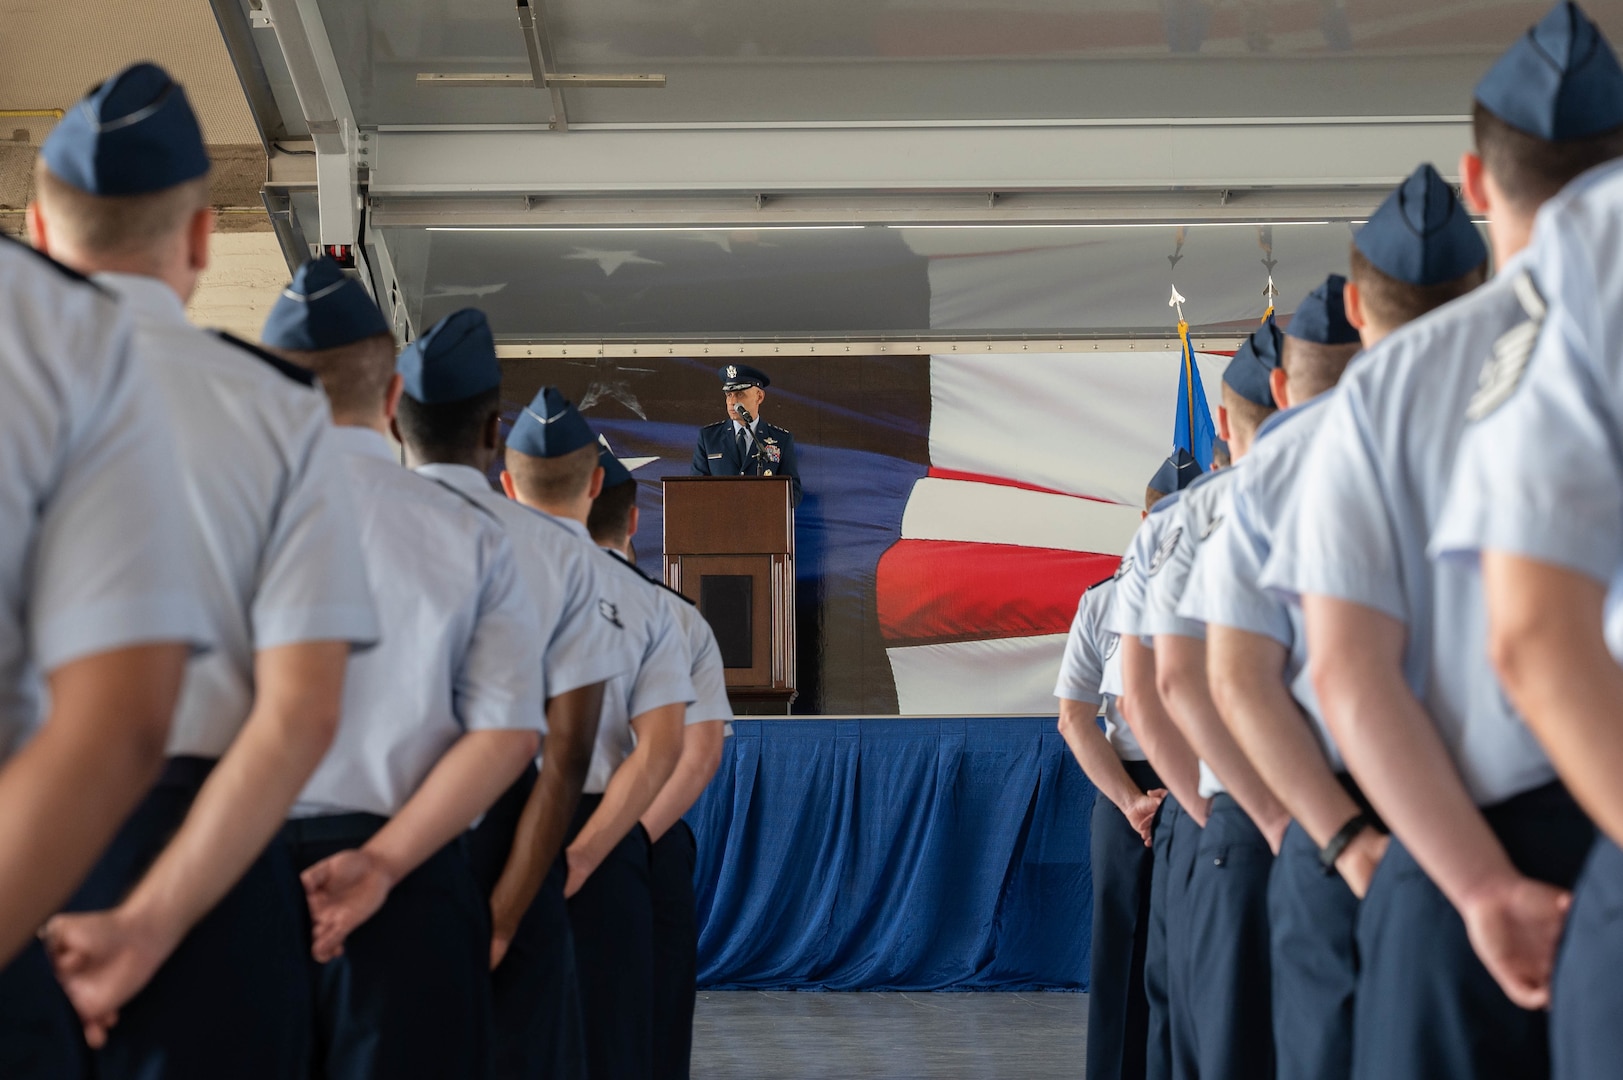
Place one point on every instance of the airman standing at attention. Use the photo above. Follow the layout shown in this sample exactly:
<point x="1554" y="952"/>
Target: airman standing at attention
<point x="1257" y="662"/>
<point x="1223" y="950"/>
<point x="96" y="614"/>
<point x="449" y="422"/>
<point x="439" y="719"/>
<point x="194" y="892"/>
<point x="552" y="466"/>
<point x="1486" y="840"/>
<point x="672" y="851"/>
<point x="1535" y="494"/>
<point x="1120" y="857"/>
<point x="1177" y="824"/>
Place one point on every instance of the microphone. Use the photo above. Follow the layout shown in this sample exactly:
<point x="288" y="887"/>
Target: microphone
<point x="754" y="462"/>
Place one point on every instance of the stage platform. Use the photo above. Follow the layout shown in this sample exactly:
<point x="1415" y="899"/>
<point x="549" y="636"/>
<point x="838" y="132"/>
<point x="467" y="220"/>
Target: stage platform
<point x="895" y="854"/>
<point x="750" y="1035"/>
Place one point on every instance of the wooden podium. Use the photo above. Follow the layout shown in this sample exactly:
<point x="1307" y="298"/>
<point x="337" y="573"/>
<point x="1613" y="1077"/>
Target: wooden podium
<point x="730" y="548"/>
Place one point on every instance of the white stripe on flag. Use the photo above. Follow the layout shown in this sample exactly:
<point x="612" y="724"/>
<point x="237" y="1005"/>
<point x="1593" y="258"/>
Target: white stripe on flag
<point x="993" y="514"/>
<point x="1005" y="677"/>
<point x="1097" y="424"/>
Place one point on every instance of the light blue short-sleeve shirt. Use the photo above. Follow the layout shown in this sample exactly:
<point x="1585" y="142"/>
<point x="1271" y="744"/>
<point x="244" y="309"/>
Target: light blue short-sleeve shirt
<point x="279" y="560"/>
<point x="1224" y="587"/>
<point x="1201" y="510"/>
<point x="1090" y="650"/>
<point x="662" y="675"/>
<point x="710" y="701"/>
<point x="1370" y="493"/>
<point x="1132" y="576"/>
<point x="1540" y="465"/>
<point x="94" y="555"/>
<point x="462" y="648"/>
<point x="583" y="645"/>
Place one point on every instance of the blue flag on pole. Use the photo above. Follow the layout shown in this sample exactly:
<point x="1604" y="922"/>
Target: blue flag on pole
<point x="1193" y="430"/>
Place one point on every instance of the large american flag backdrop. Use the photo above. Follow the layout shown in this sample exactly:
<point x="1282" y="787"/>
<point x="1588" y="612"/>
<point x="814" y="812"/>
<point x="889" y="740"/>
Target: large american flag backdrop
<point x="956" y="505"/>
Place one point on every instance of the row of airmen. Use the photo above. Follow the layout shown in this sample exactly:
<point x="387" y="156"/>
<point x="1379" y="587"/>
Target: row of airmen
<point x="315" y="764"/>
<point x="1360" y="716"/>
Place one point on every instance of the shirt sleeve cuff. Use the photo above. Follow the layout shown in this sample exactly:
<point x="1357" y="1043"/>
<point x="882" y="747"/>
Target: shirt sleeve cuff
<point x="106" y="625"/>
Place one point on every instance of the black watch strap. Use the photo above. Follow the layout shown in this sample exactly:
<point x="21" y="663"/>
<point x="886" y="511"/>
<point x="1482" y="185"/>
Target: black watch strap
<point x="1330" y="852"/>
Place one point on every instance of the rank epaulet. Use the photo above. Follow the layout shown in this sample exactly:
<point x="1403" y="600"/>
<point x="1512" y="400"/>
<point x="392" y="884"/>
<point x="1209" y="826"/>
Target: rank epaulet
<point x="66" y="271"/>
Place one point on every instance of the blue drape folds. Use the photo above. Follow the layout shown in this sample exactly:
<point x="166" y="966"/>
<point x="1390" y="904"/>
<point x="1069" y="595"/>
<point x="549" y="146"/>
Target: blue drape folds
<point x="894" y="855"/>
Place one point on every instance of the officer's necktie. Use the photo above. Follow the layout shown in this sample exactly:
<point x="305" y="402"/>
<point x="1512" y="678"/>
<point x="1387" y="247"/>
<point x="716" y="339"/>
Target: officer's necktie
<point x="743" y="448"/>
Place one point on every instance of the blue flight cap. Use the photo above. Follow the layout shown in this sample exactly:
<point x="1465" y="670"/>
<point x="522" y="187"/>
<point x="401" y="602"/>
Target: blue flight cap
<point x="1253" y="363"/>
<point x="1420" y="234"/>
<point x="614" y="473"/>
<point x="550" y="427"/>
<point x="742" y="377"/>
<point x="1561" y="80"/>
<point x="454" y="361"/>
<point x="1321" y="317"/>
<point x="133" y="134"/>
<point x="1176" y="473"/>
<point x="323" y="308"/>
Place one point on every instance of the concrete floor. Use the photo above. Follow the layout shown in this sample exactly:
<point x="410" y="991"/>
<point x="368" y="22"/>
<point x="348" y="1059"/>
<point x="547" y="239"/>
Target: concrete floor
<point x="751" y="1035"/>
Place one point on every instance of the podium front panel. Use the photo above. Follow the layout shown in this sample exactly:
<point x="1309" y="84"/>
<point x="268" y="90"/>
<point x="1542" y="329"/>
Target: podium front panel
<point x="729" y="515"/>
<point x="729" y="547"/>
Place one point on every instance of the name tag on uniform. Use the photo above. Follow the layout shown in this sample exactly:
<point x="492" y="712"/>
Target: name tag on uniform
<point x="715" y="457"/>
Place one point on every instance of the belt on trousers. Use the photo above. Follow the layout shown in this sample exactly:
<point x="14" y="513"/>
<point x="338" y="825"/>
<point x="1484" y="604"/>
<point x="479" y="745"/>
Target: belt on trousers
<point x="185" y="772"/>
<point x="345" y="828"/>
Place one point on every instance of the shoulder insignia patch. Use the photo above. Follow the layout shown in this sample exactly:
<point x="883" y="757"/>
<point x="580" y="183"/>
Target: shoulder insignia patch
<point x="1165" y="550"/>
<point x="302" y="376"/>
<point x="610" y="612"/>
<point x="1211" y="527"/>
<point x="1112" y="643"/>
<point x="1125" y="568"/>
<point x="1505" y="366"/>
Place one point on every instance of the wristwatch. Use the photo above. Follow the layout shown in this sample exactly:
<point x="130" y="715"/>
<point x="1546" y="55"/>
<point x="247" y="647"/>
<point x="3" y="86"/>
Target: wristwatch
<point x="1330" y="852"/>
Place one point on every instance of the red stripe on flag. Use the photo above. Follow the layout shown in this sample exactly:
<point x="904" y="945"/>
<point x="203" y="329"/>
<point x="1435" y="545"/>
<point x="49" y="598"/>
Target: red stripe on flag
<point x="1004" y="481"/>
<point x="933" y="591"/>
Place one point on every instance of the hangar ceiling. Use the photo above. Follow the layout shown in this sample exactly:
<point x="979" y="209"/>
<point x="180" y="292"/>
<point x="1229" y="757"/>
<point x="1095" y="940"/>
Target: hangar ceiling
<point x="613" y="170"/>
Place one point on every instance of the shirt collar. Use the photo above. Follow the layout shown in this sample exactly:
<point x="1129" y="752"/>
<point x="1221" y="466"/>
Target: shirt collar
<point x="465" y="478"/>
<point x="576" y="527"/>
<point x="145" y="295"/>
<point x="753" y="424"/>
<point x="363" y="442"/>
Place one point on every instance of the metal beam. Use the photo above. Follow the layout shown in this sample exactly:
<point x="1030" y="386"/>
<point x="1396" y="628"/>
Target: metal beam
<point x="320" y="89"/>
<point x="539" y="46"/>
<point x="899" y="208"/>
<point x="790" y="347"/>
<point x="237" y="32"/>
<point x="500" y="80"/>
<point x="1154" y="156"/>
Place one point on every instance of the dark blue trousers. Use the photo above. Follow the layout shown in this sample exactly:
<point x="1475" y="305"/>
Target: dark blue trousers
<point x="1118" y="1007"/>
<point x="1157" y="992"/>
<point x="410" y="996"/>
<point x="535" y="993"/>
<point x="1170" y="1046"/>
<point x="1228" y="972"/>
<point x="676" y="950"/>
<point x="1586" y="1038"/>
<point x="1427" y="1009"/>
<point x="613" y="920"/>
<point x="1312" y="920"/>
<point x="233" y="999"/>
<point x="40" y="1036"/>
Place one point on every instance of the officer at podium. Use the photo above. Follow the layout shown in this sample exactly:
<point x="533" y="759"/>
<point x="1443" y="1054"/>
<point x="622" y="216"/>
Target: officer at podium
<point x="744" y="444"/>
